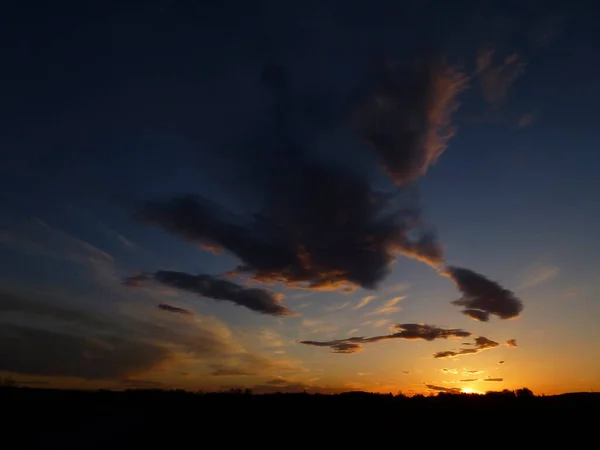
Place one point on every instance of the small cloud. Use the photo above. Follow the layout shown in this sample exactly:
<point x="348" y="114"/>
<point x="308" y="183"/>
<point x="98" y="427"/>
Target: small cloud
<point x="278" y="381"/>
<point x="270" y="338"/>
<point x="481" y="343"/>
<point x="468" y="380"/>
<point x="364" y="302"/>
<point x="493" y="379"/>
<point x="126" y="242"/>
<point x="388" y="307"/>
<point x="452" y="371"/>
<point x="174" y="309"/>
<point x="483" y="297"/>
<point x="501" y="362"/>
<point x="496" y="78"/>
<point x="433" y="387"/>
<point x="219" y="371"/>
<point x="405" y="371"/>
<point x="472" y="372"/>
<point x="338" y="307"/>
<point x="525" y="120"/>
<point x="511" y="343"/>
<point x="381" y="323"/>
<point x="536" y="276"/>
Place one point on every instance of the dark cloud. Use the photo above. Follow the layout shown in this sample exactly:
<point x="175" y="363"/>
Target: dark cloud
<point x="477" y="314"/>
<point x="406" y="117"/>
<point x="511" y="343"/>
<point x="260" y="300"/>
<point x="409" y="331"/>
<point x="323" y="226"/>
<point x="493" y="379"/>
<point x="433" y="387"/>
<point x="50" y="353"/>
<point x="501" y="362"/>
<point x="482" y="297"/>
<point x="481" y="343"/>
<point x="174" y="309"/>
<point x="468" y="380"/>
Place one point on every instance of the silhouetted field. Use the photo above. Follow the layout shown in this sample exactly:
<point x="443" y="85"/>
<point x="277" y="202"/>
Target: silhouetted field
<point x="58" y="419"/>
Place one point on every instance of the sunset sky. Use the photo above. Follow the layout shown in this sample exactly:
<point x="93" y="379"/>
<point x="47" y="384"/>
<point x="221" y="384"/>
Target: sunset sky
<point x="291" y="198"/>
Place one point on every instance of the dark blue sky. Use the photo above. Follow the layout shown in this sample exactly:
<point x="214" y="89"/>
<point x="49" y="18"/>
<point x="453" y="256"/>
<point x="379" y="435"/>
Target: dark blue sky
<point x="106" y="104"/>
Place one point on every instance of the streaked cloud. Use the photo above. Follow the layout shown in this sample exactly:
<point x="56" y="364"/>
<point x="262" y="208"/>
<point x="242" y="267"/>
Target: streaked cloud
<point x="259" y="300"/>
<point x="408" y="331"/>
<point x="538" y="275"/>
<point x="388" y="307"/>
<point x="365" y="301"/>
<point x="174" y="309"/>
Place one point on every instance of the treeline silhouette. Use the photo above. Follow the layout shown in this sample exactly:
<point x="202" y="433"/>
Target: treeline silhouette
<point x="152" y="418"/>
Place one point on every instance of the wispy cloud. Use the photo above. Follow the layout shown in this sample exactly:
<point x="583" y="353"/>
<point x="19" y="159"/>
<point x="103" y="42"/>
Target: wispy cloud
<point x="365" y="301"/>
<point x="496" y="78"/>
<point x="126" y="242"/>
<point x="36" y="236"/>
<point x="511" y="343"/>
<point x="388" y="307"/>
<point x="538" y="275"/>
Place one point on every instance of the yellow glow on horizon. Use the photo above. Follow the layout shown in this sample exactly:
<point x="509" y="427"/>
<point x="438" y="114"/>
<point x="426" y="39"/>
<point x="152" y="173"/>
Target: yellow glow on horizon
<point x="468" y="390"/>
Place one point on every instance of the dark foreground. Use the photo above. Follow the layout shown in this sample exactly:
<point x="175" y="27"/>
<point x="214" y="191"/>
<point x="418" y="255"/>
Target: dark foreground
<point x="52" y="419"/>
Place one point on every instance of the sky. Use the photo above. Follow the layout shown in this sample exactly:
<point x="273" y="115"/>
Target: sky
<point x="319" y="196"/>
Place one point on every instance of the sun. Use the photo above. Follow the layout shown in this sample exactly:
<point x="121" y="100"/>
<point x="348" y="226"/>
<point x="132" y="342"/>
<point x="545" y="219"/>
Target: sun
<point x="469" y="391"/>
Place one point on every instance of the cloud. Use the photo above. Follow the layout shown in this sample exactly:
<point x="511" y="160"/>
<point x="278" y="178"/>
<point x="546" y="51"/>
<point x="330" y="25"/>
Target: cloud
<point x="451" y="371"/>
<point x="472" y="372"/>
<point x="365" y="301"/>
<point x="468" y="380"/>
<point x="501" y="362"/>
<point x="433" y="387"/>
<point x="511" y="343"/>
<point x="338" y="307"/>
<point x="483" y="297"/>
<point x="539" y="275"/>
<point x="221" y="371"/>
<point x="36" y="236"/>
<point x="126" y="242"/>
<point x="46" y="336"/>
<point x="409" y="331"/>
<point x="322" y="225"/>
<point x="497" y="78"/>
<point x="260" y="300"/>
<point x="278" y="382"/>
<point x="43" y="352"/>
<point x="481" y="343"/>
<point x="388" y="307"/>
<point x="493" y="379"/>
<point x="174" y="309"/>
<point x="406" y="117"/>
